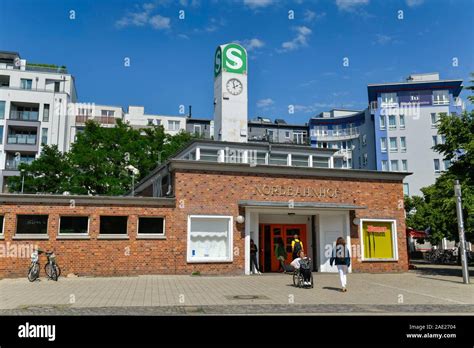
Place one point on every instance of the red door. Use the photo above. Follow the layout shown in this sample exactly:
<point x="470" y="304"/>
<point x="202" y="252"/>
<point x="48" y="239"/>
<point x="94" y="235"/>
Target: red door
<point x="269" y="236"/>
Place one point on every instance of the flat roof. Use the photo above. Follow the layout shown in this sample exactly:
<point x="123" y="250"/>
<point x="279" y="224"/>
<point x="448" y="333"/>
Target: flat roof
<point x="10" y="198"/>
<point x="273" y="170"/>
<point x="454" y="85"/>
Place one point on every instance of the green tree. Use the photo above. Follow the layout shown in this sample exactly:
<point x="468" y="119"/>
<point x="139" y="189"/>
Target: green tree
<point x="49" y="173"/>
<point x="98" y="160"/>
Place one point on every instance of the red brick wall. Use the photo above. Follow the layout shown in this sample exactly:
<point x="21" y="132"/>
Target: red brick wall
<point x="196" y="193"/>
<point x="219" y="193"/>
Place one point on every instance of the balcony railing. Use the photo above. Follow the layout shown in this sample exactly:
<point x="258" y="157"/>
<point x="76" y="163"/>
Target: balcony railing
<point x="50" y="69"/>
<point x="23" y="139"/>
<point x="338" y="133"/>
<point x="99" y="119"/>
<point x="12" y="164"/>
<point x="24" y="115"/>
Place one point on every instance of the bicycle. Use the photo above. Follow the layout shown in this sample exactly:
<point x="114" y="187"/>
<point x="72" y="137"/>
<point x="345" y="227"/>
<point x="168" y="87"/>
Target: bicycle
<point x="33" y="272"/>
<point x="51" y="268"/>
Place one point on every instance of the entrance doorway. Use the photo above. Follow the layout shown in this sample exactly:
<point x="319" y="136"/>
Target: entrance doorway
<point x="268" y="238"/>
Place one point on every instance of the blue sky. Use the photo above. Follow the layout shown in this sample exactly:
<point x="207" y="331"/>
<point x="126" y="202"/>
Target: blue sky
<point x="292" y="61"/>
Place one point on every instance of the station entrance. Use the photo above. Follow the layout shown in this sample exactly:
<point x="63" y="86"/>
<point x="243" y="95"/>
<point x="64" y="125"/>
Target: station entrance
<point x="270" y="235"/>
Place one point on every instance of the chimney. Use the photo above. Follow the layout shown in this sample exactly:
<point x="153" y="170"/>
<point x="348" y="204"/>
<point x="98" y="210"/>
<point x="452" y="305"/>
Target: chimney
<point x="190" y="112"/>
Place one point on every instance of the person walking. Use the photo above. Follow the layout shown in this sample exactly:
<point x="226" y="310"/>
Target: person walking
<point x="253" y="258"/>
<point x="296" y="246"/>
<point x="342" y="259"/>
<point x="280" y="254"/>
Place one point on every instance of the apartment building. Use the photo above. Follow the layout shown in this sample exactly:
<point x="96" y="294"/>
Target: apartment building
<point x="406" y="117"/>
<point x="34" y="100"/>
<point x="349" y="132"/>
<point x="136" y="117"/>
<point x="200" y="127"/>
<point x="263" y="129"/>
<point x="80" y="113"/>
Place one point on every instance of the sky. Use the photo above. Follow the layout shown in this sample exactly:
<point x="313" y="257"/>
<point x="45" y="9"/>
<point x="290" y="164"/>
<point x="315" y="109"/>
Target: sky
<point x="297" y="49"/>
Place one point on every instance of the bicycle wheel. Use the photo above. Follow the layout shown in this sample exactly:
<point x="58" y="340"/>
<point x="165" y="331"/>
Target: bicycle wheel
<point x="33" y="272"/>
<point x="52" y="272"/>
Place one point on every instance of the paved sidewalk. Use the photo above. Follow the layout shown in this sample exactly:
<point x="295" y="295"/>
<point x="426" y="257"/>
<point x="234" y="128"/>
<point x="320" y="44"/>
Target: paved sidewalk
<point x="413" y="292"/>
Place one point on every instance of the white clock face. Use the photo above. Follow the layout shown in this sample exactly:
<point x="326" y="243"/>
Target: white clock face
<point x="234" y="86"/>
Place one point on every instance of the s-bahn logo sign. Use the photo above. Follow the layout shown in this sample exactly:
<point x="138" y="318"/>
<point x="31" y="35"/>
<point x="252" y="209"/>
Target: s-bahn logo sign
<point x="230" y="58"/>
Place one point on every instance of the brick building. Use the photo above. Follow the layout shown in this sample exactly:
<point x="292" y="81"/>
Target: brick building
<point x="199" y="211"/>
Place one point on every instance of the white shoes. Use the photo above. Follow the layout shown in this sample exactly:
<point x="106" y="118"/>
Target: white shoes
<point x="258" y="272"/>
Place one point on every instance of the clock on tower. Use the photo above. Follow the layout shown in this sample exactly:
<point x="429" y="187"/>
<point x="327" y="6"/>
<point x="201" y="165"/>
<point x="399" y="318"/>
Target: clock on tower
<point x="230" y="93"/>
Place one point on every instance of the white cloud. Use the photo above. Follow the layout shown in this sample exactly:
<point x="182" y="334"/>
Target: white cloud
<point x="382" y="39"/>
<point x="192" y="3"/>
<point x="143" y="18"/>
<point x="413" y="3"/>
<point x="160" y="22"/>
<point x="300" y="40"/>
<point x="258" y="3"/>
<point x="310" y="16"/>
<point x="252" y="44"/>
<point x="265" y="103"/>
<point x="350" y="5"/>
<point x="213" y="25"/>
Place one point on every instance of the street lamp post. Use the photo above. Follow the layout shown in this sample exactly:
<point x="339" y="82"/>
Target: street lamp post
<point x="462" y="239"/>
<point x="133" y="183"/>
<point x="134" y="172"/>
<point x="22" y="180"/>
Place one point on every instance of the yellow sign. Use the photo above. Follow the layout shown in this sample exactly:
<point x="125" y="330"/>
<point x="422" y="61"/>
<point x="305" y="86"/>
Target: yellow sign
<point x="377" y="237"/>
<point x="297" y="191"/>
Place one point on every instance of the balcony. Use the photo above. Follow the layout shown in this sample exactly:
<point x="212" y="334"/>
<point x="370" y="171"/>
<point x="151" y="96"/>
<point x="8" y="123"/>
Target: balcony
<point x="12" y="164"/>
<point x="24" y="115"/>
<point x="343" y="134"/>
<point x="24" y="139"/>
<point x="80" y="119"/>
<point x="345" y="153"/>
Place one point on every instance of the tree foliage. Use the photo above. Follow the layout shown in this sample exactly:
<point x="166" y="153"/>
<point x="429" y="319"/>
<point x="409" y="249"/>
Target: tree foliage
<point x="98" y="159"/>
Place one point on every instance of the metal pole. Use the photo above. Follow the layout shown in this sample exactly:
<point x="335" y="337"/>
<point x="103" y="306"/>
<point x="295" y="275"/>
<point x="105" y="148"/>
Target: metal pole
<point x="462" y="240"/>
<point x="133" y="184"/>
<point x="22" y="180"/>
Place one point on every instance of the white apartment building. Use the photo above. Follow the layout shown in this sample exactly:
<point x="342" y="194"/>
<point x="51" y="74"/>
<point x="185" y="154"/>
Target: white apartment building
<point x="350" y="133"/>
<point x="80" y="113"/>
<point x="136" y="117"/>
<point x="38" y="105"/>
<point x="406" y="116"/>
<point x="34" y="103"/>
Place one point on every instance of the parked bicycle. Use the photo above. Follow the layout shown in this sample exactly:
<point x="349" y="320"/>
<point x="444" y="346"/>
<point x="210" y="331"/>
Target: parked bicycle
<point x="439" y="256"/>
<point x="51" y="268"/>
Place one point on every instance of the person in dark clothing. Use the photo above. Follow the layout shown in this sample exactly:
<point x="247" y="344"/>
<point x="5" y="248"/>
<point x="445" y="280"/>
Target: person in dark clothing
<point x="253" y="258"/>
<point x="342" y="259"/>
